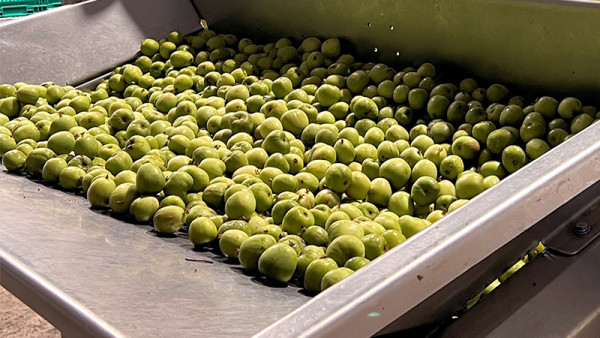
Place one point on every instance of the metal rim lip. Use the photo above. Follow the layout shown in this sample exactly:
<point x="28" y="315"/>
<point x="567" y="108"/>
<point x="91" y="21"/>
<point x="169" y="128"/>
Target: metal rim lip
<point x="17" y="277"/>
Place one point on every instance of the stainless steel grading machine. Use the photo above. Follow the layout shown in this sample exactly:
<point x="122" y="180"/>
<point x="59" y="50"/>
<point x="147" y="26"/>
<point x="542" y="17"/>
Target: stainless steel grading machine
<point x="93" y="275"/>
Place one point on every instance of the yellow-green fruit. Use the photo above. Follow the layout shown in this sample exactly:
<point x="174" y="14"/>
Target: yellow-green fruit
<point x="359" y="187"/>
<point x="14" y="160"/>
<point x="345" y="247"/>
<point x="457" y="204"/>
<point x="143" y="208"/>
<point x="7" y="143"/>
<point x="278" y="262"/>
<point x="169" y="219"/>
<point x="98" y="194"/>
<point x="10" y="107"/>
<point x="241" y="204"/>
<point x="231" y="241"/>
<point x="52" y="168"/>
<point x="393" y="237"/>
<point x="181" y="58"/>
<point x="334" y="276"/>
<point x="61" y="142"/>
<point x="338" y="177"/>
<point x="132" y="74"/>
<point x="149" y="179"/>
<point x="411" y="225"/>
<point x="306" y="256"/>
<point x="29" y="94"/>
<point x="202" y="230"/>
<point x="356" y="263"/>
<point x="70" y="178"/>
<point x="252" y="248"/>
<point x="149" y="47"/>
<point x="122" y="196"/>
<point x="36" y="160"/>
<point x="469" y="185"/>
<point x="296" y="220"/>
<point x="315" y="271"/>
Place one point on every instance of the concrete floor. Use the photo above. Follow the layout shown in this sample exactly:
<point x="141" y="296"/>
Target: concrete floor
<point x="17" y="320"/>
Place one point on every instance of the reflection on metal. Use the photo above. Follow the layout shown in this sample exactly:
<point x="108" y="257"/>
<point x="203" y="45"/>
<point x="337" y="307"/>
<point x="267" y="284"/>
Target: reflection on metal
<point x="72" y="44"/>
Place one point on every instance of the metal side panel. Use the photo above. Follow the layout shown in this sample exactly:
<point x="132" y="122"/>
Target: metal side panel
<point x="72" y="44"/>
<point x="553" y="296"/>
<point x="550" y="46"/>
<point x="57" y="307"/>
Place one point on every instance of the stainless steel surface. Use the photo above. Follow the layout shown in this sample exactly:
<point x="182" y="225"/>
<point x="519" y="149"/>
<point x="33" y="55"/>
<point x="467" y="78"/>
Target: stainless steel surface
<point x="389" y="287"/>
<point x="553" y="296"/>
<point x="92" y="83"/>
<point x="72" y="44"/>
<point x="549" y="45"/>
<point x="140" y="284"/>
<point x="73" y="319"/>
<point x="579" y="233"/>
<point x="569" y="306"/>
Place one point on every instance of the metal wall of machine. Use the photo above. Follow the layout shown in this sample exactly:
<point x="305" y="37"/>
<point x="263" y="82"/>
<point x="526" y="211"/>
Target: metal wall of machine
<point x="550" y="45"/>
<point x="446" y="32"/>
<point x="555" y="295"/>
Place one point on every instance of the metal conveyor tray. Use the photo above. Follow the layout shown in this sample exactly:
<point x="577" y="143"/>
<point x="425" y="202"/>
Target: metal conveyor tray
<point x="90" y="273"/>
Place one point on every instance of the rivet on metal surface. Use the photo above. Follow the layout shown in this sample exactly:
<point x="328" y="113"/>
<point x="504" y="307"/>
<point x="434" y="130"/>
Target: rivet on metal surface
<point x="582" y="228"/>
<point x="391" y="27"/>
<point x="375" y="49"/>
<point x="397" y="53"/>
<point x="369" y="24"/>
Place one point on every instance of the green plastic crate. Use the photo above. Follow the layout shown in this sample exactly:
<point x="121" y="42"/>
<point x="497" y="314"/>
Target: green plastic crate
<point x="12" y="8"/>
